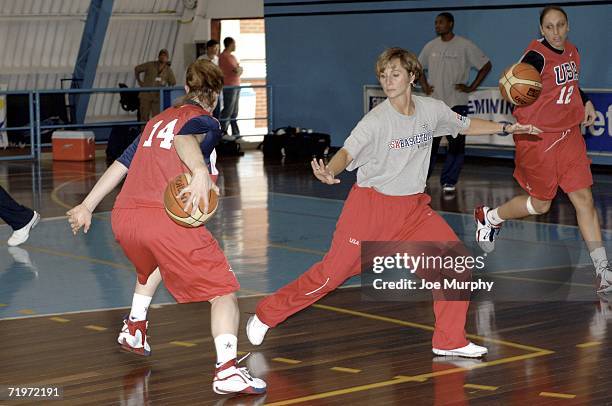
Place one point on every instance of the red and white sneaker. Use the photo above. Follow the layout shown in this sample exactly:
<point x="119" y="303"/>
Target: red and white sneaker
<point x="133" y="337"/>
<point x="231" y="379"/>
<point x="486" y="233"/>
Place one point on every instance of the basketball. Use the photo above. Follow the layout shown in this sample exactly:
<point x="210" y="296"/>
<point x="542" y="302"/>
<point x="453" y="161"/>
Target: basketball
<point x="174" y="206"/>
<point x="520" y="84"/>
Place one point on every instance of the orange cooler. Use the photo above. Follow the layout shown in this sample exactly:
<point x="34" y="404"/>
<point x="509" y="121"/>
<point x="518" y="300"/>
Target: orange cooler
<point x="73" y="145"/>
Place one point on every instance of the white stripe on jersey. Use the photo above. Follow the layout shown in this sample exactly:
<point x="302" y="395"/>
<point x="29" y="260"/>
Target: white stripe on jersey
<point x="213" y="162"/>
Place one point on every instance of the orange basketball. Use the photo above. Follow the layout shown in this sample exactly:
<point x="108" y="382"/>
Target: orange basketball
<point x="520" y="84"/>
<point x="174" y="206"/>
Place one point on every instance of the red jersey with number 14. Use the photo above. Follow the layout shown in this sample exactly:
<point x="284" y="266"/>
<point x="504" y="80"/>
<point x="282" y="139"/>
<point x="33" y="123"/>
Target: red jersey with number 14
<point x="156" y="161"/>
<point x="559" y="106"/>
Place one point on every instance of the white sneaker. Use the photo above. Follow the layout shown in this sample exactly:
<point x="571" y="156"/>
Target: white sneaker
<point x="448" y="188"/>
<point x="20" y="236"/>
<point x="231" y="379"/>
<point x="256" y="330"/>
<point x="469" y="351"/>
<point x="486" y="233"/>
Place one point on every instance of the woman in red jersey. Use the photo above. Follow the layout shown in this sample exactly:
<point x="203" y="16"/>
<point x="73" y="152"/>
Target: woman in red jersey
<point x="189" y="260"/>
<point x="557" y="157"/>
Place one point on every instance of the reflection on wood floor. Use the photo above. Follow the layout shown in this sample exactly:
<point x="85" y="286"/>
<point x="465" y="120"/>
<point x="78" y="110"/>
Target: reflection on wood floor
<point x="60" y="297"/>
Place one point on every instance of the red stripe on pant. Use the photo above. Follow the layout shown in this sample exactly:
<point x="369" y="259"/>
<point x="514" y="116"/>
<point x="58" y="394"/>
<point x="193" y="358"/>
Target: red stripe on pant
<point x="371" y="216"/>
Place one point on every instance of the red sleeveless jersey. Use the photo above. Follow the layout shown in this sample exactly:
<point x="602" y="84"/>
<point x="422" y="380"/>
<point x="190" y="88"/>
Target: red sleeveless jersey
<point x="156" y="161"/>
<point x="559" y="106"/>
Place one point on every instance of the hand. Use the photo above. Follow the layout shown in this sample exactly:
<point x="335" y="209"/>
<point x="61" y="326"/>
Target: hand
<point x="79" y="216"/>
<point x="198" y="188"/>
<point x="323" y="173"/>
<point x="463" y="88"/>
<point x="523" y="129"/>
<point x="589" y="114"/>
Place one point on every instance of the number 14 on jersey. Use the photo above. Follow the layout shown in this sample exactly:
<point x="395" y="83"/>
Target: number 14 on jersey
<point x="166" y="134"/>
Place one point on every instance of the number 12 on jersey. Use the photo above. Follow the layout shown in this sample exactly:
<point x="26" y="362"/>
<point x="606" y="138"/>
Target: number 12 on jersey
<point x="166" y="134"/>
<point x="565" y="98"/>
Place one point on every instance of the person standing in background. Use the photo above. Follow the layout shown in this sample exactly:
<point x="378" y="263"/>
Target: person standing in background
<point x="231" y="73"/>
<point x="448" y="60"/>
<point x="156" y="74"/>
<point x="212" y="54"/>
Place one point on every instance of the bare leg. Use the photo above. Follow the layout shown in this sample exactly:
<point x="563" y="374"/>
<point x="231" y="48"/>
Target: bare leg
<point x="224" y="315"/>
<point x="588" y="222"/>
<point x="150" y="287"/>
<point x="229" y="378"/>
<point x="586" y="215"/>
<point x="517" y="207"/>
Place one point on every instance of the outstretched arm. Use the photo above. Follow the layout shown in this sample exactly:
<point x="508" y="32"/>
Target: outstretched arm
<point x="486" y="127"/>
<point x="80" y="216"/>
<point x="327" y="173"/>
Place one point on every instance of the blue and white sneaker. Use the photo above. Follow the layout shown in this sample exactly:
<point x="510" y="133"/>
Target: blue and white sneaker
<point x="486" y="233"/>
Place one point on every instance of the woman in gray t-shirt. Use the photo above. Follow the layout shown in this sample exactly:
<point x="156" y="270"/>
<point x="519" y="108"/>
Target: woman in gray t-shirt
<point x="390" y="149"/>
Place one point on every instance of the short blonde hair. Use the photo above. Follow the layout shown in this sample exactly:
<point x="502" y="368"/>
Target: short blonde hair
<point x="408" y="60"/>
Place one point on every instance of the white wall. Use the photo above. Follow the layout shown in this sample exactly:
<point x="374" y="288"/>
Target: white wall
<point x="198" y="27"/>
<point x="232" y="8"/>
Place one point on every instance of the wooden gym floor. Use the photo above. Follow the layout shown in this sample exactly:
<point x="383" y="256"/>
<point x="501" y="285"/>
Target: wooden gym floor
<point x="62" y="299"/>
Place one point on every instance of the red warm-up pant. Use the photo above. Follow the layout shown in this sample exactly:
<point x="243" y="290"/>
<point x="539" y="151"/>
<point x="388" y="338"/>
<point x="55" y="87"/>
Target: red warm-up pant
<point x="371" y="216"/>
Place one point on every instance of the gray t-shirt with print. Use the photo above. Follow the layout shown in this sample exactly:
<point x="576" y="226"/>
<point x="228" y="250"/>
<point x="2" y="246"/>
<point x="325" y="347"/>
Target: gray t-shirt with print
<point x="391" y="150"/>
<point x="448" y="63"/>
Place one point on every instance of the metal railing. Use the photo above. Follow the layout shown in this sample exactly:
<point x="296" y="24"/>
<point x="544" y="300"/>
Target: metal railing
<point x="35" y="126"/>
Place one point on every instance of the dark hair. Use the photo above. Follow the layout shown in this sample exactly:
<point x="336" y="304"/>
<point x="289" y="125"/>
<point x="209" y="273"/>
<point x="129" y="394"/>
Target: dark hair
<point x="211" y="43"/>
<point x="163" y="51"/>
<point x="449" y="17"/>
<point x="545" y="11"/>
<point x="228" y="41"/>
<point x="205" y="81"/>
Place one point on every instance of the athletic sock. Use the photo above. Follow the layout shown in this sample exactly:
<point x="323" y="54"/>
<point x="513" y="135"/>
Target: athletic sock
<point x="226" y="346"/>
<point x="494" y="218"/>
<point x="140" y="305"/>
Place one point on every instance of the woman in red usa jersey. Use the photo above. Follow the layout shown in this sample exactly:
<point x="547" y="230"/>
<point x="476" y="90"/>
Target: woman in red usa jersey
<point x="557" y="157"/>
<point x="189" y="260"/>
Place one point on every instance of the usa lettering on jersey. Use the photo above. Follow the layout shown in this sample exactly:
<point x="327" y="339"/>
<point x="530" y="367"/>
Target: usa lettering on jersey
<point x="566" y="72"/>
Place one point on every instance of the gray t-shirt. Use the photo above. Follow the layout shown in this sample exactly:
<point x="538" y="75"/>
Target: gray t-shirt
<point x="392" y="150"/>
<point x="448" y="63"/>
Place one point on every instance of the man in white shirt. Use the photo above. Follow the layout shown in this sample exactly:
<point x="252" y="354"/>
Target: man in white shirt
<point x="448" y="60"/>
<point x="212" y="54"/>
